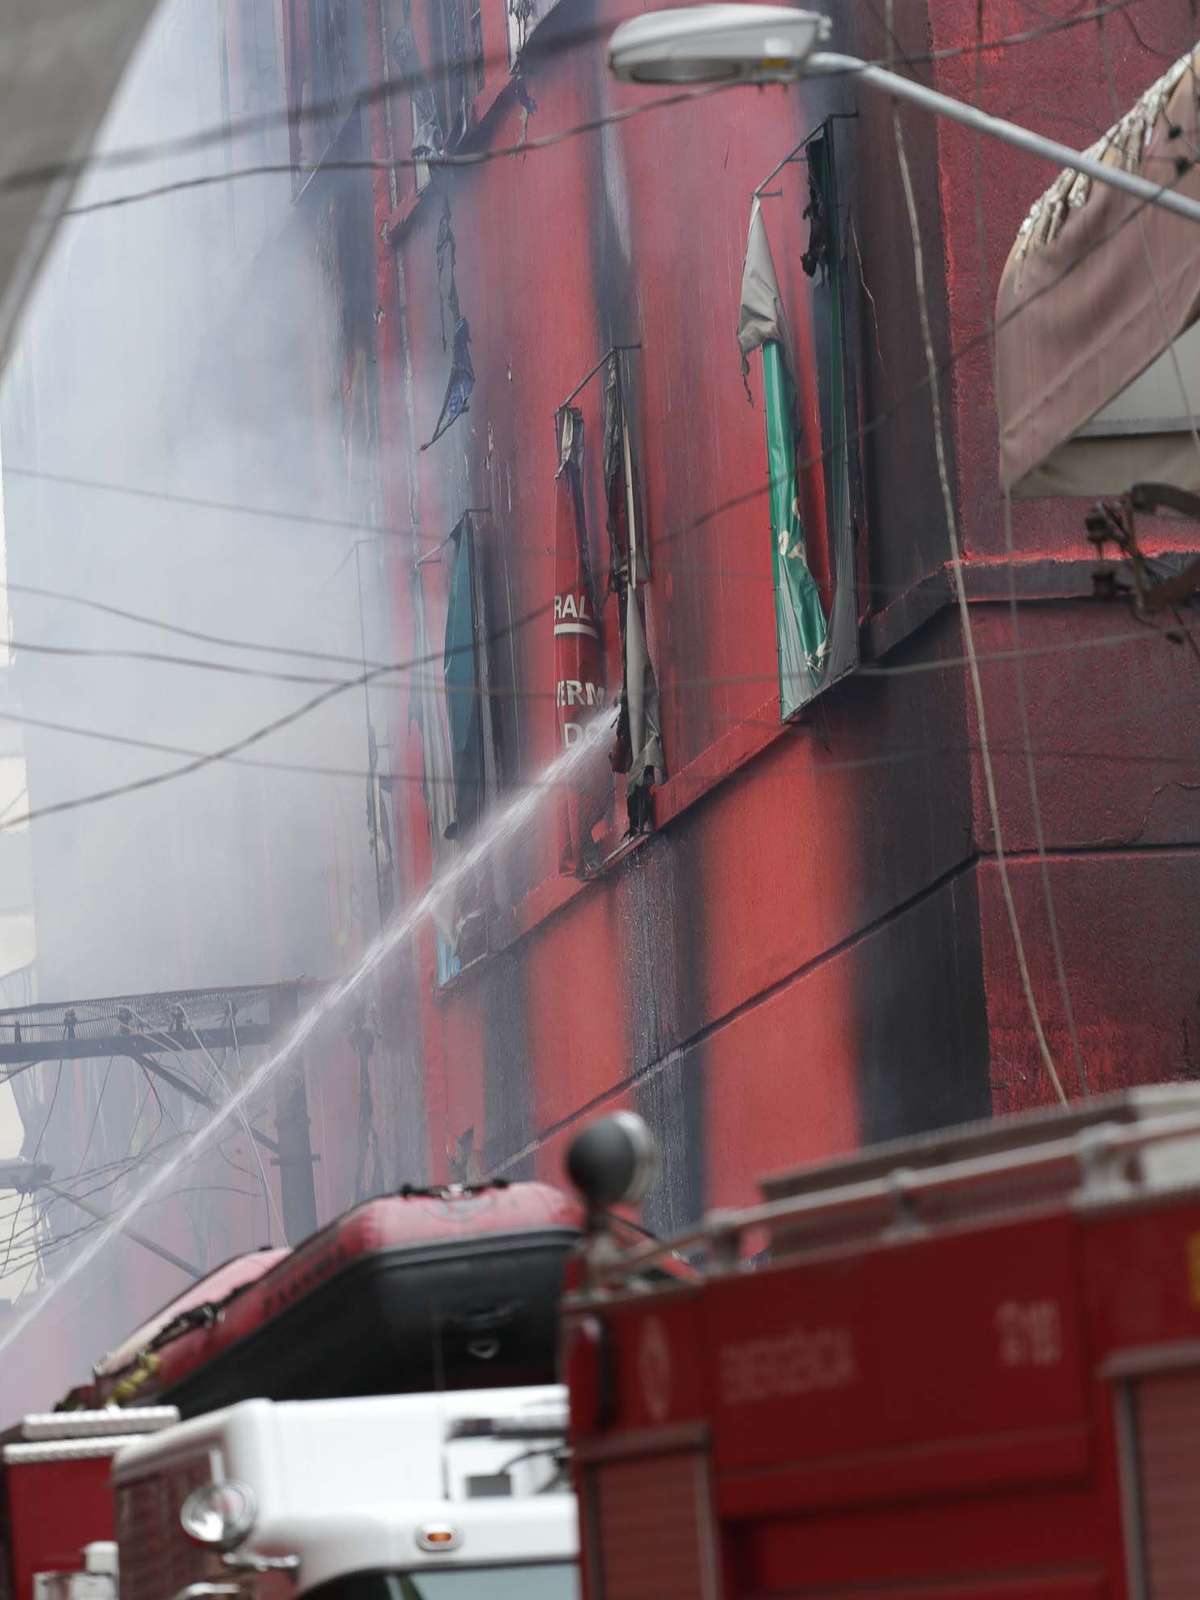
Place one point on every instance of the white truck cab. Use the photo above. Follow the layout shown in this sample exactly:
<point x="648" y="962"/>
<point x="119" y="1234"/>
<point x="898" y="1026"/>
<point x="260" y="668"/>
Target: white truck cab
<point x="452" y="1496"/>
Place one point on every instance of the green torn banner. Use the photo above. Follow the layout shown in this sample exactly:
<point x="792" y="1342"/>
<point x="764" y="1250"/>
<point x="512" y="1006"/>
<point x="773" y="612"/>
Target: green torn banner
<point x="800" y="627"/>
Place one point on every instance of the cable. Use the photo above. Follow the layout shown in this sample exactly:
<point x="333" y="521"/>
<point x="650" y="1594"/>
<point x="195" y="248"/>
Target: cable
<point x="465" y="158"/>
<point x="268" y="1195"/>
<point x="37" y="1150"/>
<point x="289" y="116"/>
<point x="96" y="1114"/>
<point x="1035" y="805"/>
<point x="470" y="158"/>
<point x="307" y="707"/>
<point x="862" y="432"/>
<point x="964" y="609"/>
<point x="200" y="759"/>
<point x="268" y="675"/>
<point x="201" y="503"/>
<point x="162" y="658"/>
<point x="145" y="619"/>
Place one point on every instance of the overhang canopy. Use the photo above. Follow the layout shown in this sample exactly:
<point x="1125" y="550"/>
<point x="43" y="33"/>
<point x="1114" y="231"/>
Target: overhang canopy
<point x="1097" y="331"/>
<point x="60" y="61"/>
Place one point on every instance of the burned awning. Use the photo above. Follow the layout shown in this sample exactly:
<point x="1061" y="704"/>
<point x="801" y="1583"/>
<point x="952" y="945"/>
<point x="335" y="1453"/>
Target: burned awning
<point x="1097" y="331"/>
<point x="59" y="64"/>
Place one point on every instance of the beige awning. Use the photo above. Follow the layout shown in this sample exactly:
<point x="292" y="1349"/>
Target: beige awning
<point x="60" y="61"/>
<point x="1097" y="318"/>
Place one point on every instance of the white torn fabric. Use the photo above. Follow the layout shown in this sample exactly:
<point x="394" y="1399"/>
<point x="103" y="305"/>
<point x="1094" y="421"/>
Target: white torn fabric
<point x="1122" y="146"/>
<point x="760" y="314"/>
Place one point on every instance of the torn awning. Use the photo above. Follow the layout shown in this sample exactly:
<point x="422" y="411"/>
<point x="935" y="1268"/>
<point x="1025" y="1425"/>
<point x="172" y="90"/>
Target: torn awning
<point x="60" y="61"/>
<point x="1097" y="317"/>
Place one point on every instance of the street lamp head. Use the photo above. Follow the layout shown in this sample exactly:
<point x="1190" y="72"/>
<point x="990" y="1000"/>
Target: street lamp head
<point x="716" y="44"/>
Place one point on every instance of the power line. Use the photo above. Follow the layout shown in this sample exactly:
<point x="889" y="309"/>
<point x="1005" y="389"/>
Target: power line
<point x="462" y="158"/>
<point x="204" y="503"/>
<point x="205" y="759"/>
<point x="861" y="432"/>
<point x="1035" y="802"/>
<point x="473" y="158"/>
<point x="199" y="758"/>
<point x="961" y="596"/>
<point x="290" y="116"/>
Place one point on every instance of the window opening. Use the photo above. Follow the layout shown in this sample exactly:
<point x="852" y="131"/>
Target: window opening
<point x="460" y="382"/>
<point x="460" y="747"/>
<point x="806" y="402"/>
<point x="580" y="691"/>
<point x="461" y="27"/>
<point x="523" y="17"/>
<point x="325" y="69"/>
<point x="639" y="753"/>
<point x="427" y="137"/>
<point x="603" y="647"/>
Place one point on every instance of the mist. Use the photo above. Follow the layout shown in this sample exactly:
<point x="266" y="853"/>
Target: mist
<point x="177" y="361"/>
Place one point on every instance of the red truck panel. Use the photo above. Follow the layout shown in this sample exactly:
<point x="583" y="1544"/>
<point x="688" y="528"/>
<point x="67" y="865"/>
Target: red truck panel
<point x="999" y="1408"/>
<point x="51" y="1510"/>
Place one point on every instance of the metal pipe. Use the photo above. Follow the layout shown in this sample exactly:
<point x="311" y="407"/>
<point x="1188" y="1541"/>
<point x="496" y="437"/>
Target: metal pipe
<point x="130" y="1233"/>
<point x="583" y="382"/>
<point x="824" y="64"/>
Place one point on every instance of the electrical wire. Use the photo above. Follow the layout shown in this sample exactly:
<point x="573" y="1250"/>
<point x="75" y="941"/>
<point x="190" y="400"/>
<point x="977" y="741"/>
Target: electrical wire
<point x="1035" y="804"/>
<point x="862" y="432"/>
<point x="229" y="131"/>
<point x="96" y="1114"/>
<point x="380" y="669"/>
<point x="964" y="609"/>
<point x="199" y="759"/>
<point x="463" y="158"/>
<point x="202" y="503"/>
<point x="268" y="1195"/>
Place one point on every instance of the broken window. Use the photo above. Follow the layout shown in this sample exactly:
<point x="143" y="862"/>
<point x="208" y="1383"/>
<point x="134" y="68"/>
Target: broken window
<point x="523" y="18"/>
<point x="602" y="655"/>
<point x="465" y="660"/>
<point x="461" y="64"/>
<point x="456" y="334"/>
<point x="427" y="137"/>
<point x="799" y="331"/>
<point x="461" y="755"/>
<point x="639" y="752"/>
<point x="579" y="691"/>
<point x="326" y="70"/>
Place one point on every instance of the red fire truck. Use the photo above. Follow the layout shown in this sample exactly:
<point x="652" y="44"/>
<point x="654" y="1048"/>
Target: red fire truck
<point x="56" y="1506"/>
<point x="446" y="1289"/>
<point x="966" y="1367"/>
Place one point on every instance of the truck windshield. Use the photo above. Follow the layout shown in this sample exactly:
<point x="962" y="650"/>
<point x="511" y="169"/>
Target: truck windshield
<point x="543" y="1580"/>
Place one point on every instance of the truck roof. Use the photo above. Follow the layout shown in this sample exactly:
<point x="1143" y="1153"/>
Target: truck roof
<point x="348" y="1484"/>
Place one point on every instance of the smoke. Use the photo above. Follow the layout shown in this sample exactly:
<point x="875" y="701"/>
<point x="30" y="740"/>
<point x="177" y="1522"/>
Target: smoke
<point x="194" y="348"/>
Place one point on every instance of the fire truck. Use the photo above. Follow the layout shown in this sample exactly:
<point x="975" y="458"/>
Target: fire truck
<point x="443" y="1291"/>
<point x="56" y="1517"/>
<point x="452" y="1496"/>
<point x="965" y="1366"/>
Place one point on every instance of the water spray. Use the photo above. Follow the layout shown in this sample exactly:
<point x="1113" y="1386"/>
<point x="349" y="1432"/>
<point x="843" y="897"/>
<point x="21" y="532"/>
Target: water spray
<point x="494" y="835"/>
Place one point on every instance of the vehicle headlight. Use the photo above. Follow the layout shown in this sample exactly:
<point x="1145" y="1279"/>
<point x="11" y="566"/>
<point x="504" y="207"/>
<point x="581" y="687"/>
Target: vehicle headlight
<point x="218" y="1515"/>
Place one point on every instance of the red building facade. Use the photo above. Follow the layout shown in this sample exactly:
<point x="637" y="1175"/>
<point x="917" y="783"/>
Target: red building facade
<point x="805" y="944"/>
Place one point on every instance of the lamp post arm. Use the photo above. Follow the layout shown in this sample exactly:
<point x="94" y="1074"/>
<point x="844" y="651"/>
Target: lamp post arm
<point x="827" y="64"/>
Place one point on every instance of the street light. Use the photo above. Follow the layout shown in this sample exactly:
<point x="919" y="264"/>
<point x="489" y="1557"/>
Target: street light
<point x="717" y="44"/>
<point x="778" y="44"/>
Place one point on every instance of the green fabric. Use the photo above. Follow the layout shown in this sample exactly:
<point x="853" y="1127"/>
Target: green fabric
<point x="463" y="709"/>
<point x="799" y="618"/>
